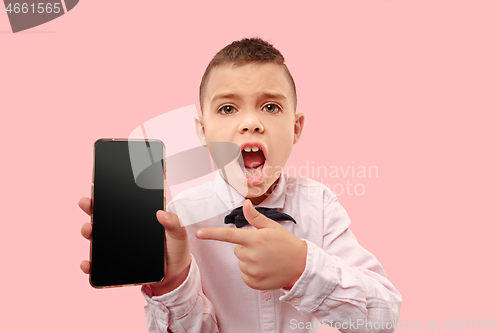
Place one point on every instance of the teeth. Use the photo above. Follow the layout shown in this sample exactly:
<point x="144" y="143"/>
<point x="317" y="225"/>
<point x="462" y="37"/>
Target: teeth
<point x="249" y="149"/>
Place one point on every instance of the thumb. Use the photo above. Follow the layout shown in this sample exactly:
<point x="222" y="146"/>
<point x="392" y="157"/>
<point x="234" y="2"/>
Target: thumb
<point x="255" y="218"/>
<point x="172" y="225"/>
<point x="177" y="255"/>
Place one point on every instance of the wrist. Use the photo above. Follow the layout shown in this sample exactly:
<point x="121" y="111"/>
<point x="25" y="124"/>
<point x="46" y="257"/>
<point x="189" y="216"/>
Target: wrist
<point x="301" y="266"/>
<point x="163" y="287"/>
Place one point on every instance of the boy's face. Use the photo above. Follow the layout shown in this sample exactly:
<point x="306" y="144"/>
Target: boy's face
<point x="251" y="106"/>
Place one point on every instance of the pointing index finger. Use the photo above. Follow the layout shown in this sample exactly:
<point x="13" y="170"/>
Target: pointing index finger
<point x="229" y="235"/>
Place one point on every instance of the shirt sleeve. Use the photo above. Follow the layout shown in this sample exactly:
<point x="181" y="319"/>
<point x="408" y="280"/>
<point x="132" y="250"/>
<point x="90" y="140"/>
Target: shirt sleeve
<point x="343" y="285"/>
<point x="184" y="309"/>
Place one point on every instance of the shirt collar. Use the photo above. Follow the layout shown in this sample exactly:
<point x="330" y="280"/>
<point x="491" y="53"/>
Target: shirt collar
<point x="233" y="199"/>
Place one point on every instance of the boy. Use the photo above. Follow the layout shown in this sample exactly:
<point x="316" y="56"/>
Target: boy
<point x="266" y="276"/>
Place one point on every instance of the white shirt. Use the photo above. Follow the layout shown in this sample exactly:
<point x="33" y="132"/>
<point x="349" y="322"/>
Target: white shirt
<point x="343" y="285"/>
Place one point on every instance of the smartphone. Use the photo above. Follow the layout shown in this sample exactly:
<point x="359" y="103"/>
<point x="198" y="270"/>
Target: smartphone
<point x="128" y="188"/>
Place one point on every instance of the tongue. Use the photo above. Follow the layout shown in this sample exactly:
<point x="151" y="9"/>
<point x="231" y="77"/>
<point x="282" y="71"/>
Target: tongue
<point x="253" y="159"/>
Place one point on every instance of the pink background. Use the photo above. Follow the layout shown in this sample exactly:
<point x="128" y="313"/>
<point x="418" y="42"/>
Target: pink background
<point x="411" y="87"/>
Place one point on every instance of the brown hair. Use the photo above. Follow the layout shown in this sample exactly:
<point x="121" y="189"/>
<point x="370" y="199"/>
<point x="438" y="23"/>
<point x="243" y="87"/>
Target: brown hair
<point x="242" y="52"/>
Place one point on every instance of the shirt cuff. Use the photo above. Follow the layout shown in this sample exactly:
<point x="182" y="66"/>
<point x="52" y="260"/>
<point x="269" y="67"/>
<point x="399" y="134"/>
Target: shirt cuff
<point x="316" y="282"/>
<point x="178" y="302"/>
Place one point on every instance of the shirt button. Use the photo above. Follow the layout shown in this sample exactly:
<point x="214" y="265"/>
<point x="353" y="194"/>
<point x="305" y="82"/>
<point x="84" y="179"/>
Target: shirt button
<point x="295" y="301"/>
<point x="266" y="295"/>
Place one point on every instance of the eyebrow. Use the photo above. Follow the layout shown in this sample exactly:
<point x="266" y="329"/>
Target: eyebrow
<point x="223" y="96"/>
<point x="236" y="96"/>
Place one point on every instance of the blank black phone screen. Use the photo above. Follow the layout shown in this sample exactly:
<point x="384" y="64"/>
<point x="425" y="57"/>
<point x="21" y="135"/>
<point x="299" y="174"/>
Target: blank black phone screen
<point x="128" y="242"/>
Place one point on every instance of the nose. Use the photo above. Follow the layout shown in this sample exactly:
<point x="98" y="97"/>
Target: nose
<point x="252" y="124"/>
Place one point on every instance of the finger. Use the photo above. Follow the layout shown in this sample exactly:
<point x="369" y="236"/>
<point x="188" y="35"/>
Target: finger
<point x="85" y="266"/>
<point x="230" y="235"/>
<point x="86" y="205"/>
<point x="250" y="281"/>
<point x="243" y="267"/>
<point x="245" y="279"/>
<point x="239" y="252"/>
<point x="250" y="270"/>
<point x="177" y="254"/>
<point x="253" y="283"/>
<point x="255" y="218"/>
<point x="172" y="225"/>
<point x="87" y="230"/>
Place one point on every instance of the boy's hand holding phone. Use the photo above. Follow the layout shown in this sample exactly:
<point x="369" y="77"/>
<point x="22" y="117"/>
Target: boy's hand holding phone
<point x="271" y="257"/>
<point x="177" y="255"/>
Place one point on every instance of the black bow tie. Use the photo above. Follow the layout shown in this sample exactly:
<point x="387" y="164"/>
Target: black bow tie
<point x="237" y="217"/>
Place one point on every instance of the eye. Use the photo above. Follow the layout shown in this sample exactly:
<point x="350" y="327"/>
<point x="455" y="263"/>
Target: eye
<point x="272" y="108"/>
<point x="227" y="109"/>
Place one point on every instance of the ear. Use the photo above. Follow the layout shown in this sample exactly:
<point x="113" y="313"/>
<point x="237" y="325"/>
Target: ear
<point x="200" y="130"/>
<point x="299" y="125"/>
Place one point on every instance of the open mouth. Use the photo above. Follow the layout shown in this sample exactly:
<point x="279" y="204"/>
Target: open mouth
<point x="252" y="162"/>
